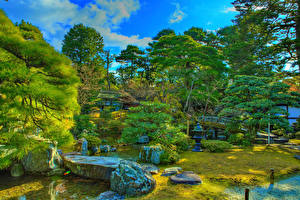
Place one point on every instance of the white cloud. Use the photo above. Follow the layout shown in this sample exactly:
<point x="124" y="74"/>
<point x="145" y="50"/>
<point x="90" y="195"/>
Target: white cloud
<point x="56" y="17"/>
<point x="177" y="15"/>
<point x="229" y="9"/>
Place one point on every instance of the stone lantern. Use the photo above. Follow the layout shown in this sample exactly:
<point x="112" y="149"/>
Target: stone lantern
<point x="198" y="137"/>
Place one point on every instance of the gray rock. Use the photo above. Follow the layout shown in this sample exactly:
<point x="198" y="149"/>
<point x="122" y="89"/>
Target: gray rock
<point x="143" y="139"/>
<point x="130" y="179"/>
<point x="17" y="170"/>
<point x="187" y="177"/>
<point x="113" y="149"/>
<point x="110" y="195"/>
<point x="151" y="154"/>
<point x="56" y="172"/>
<point x="297" y="157"/>
<point x="105" y="148"/>
<point x="42" y="160"/>
<point x="171" y="171"/>
<point x="95" y="167"/>
<point x="152" y="169"/>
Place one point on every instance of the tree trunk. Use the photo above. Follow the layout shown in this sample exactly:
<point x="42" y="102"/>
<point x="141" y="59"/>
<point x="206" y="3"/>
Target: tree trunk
<point x="298" y="35"/>
<point x="107" y="67"/>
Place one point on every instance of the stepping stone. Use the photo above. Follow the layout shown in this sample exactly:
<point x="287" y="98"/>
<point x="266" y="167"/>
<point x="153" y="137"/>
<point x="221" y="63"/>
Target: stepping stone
<point x="171" y="171"/>
<point x="297" y="157"/>
<point x="187" y="177"/>
<point x="110" y="195"/>
<point x="150" y="168"/>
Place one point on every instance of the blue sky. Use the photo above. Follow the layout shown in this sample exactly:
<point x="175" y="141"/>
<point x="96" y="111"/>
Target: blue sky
<point x="120" y="22"/>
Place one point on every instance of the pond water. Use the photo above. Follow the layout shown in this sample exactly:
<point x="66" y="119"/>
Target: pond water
<point x="59" y="188"/>
<point x="287" y="189"/>
<point x="52" y="188"/>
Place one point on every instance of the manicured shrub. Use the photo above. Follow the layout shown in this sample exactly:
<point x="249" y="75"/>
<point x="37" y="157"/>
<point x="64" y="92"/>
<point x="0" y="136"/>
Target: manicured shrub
<point x="297" y="135"/>
<point x="93" y="141"/>
<point x="153" y="119"/>
<point x="83" y="124"/>
<point x="236" y="139"/>
<point x="216" y="145"/>
<point x="169" y="157"/>
<point x="182" y="142"/>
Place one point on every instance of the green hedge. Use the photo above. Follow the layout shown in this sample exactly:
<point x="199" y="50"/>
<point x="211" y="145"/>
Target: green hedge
<point x="216" y="145"/>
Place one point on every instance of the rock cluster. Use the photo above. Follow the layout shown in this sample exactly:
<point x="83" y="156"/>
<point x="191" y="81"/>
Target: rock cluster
<point x="130" y="179"/>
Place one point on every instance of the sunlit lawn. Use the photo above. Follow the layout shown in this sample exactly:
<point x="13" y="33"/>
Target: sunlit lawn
<point x="219" y="170"/>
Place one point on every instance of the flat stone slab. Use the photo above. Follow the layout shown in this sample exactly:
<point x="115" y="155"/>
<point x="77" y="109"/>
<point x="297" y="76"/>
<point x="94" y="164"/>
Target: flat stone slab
<point x="95" y="167"/>
<point x="152" y="169"/>
<point x="187" y="177"/>
<point x="171" y="171"/>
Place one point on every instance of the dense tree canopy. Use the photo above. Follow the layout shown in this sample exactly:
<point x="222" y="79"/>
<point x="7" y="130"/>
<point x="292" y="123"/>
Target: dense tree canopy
<point x="279" y="19"/>
<point x="253" y="101"/>
<point x="188" y="64"/>
<point x="38" y="88"/>
<point x="83" y="45"/>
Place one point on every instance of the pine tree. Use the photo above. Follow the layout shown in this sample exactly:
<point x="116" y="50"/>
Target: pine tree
<point x="38" y="90"/>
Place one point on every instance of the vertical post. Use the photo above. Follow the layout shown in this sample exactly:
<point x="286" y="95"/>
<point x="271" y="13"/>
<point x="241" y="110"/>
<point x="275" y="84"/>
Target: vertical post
<point x="272" y="176"/>
<point x="188" y="127"/>
<point x="247" y="194"/>
<point x="269" y="131"/>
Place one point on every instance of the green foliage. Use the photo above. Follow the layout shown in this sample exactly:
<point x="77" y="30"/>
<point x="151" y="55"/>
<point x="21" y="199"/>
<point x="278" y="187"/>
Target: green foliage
<point x="135" y="63"/>
<point x="216" y="145"/>
<point x="194" y="69"/>
<point x="236" y="139"/>
<point x="83" y="45"/>
<point x="274" y="27"/>
<point x="148" y="119"/>
<point x="182" y="142"/>
<point x="153" y="120"/>
<point x="212" y="125"/>
<point x="169" y="157"/>
<point x="279" y="132"/>
<point x="93" y="141"/>
<point x="164" y="32"/>
<point x="252" y="102"/>
<point x="37" y="89"/>
<point x="297" y="135"/>
<point x="83" y="124"/>
<point x="29" y="31"/>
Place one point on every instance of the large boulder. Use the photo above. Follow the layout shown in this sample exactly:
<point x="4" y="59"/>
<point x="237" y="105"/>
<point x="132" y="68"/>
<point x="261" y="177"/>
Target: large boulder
<point x="95" y="167"/>
<point x="130" y="179"/>
<point x="42" y="160"/>
<point x="151" y="154"/>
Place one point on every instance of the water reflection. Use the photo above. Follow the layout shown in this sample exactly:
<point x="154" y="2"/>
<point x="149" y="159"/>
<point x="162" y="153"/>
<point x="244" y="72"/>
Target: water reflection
<point x="55" y="188"/>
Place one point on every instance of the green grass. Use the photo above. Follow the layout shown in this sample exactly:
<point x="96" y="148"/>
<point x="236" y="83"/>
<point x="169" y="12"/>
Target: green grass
<point x="249" y="166"/>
